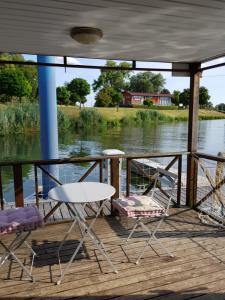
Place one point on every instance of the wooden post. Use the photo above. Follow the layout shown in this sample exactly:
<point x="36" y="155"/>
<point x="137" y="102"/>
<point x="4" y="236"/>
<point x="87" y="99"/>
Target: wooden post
<point x="192" y="167"/>
<point x="18" y="185"/>
<point x="179" y="180"/>
<point x="1" y="192"/>
<point x="115" y="177"/>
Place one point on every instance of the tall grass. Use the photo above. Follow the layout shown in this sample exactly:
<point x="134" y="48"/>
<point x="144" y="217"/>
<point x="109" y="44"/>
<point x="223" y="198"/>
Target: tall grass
<point x="18" y="118"/>
<point x="25" y="117"/>
<point x="88" y="119"/>
<point x="144" y="117"/>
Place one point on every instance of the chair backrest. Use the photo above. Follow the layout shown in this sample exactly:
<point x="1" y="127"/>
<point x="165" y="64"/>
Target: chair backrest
<point x="166" y="179"/>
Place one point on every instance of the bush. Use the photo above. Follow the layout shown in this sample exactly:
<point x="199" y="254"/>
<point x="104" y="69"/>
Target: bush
<point x="89" y="118"/>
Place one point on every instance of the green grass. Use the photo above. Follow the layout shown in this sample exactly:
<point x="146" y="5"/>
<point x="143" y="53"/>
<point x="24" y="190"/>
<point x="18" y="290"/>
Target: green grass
<point x="18" y="118"/>
<point x="111" y="113"/>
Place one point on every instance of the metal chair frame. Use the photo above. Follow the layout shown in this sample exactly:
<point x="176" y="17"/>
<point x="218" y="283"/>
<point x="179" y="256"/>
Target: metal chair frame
<point x="171" y="177"/>
<point x="10" y="252"/>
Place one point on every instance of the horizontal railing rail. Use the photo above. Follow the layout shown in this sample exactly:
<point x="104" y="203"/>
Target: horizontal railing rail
<point x="93" y="163"/>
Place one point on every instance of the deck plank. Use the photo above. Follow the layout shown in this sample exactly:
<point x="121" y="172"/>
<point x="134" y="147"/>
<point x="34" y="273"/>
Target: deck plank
<point x="198" y="269"/>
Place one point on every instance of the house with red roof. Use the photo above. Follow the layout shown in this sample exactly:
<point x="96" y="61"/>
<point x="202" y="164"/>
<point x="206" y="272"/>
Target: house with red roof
<point x="134" y="98"/>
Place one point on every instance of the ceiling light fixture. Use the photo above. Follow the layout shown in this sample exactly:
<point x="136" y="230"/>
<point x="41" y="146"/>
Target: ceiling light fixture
<point x="86" y="35"/>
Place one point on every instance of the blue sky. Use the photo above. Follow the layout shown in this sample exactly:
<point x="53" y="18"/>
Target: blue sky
<point x="213" y="79"/>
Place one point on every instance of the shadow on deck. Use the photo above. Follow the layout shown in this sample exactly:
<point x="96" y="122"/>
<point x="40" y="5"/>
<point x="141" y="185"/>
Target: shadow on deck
<point x="197" y="271"/>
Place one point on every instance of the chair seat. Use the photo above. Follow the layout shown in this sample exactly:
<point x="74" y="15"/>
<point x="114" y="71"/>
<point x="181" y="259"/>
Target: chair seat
<point x="139" y="206"/>
<point x="20" y="219"/>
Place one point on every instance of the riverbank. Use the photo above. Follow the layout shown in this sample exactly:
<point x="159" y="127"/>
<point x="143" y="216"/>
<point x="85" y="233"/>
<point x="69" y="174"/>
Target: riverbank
<point x="24" y="117"/>
<point x="111" y="113"/>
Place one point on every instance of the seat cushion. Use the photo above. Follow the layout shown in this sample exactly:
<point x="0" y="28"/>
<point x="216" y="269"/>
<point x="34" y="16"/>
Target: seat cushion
<point x="139" y="206"/>
<point x="20" y="219"/>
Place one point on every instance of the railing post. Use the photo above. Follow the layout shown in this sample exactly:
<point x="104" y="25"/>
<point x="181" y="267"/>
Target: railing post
<point x="18" y="185"/>
<point x="36" y="185"/>
<point x="179" y="180"/>
<point x="1" y="192"/>
<point x="128" y="177"/>
<point x="192" y="166"/>
<point x="115" y="177"/>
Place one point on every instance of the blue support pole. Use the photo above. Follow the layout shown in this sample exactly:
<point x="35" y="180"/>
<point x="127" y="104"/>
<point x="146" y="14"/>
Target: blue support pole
<point x="48" y="119"/>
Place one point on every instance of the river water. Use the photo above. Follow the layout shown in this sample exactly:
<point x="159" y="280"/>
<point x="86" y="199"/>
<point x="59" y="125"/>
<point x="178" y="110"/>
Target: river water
<point x="167" y="137"/>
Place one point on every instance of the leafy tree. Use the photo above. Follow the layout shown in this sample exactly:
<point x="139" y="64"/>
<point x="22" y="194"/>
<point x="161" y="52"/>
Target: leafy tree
<point x="104" y="97"/>
<point x="14" y="83"/>
<point x="146" y="82"/>
<point x="63" y="95"/>
<point x="79" y="88"/>
<point x="30" y="72"/>
<point x="185" y="97"/>
<point x="148" y="102"/>
<point x="220" y="107"/>
<point x="176" y="97"/>
<point x="112" y="78"/>
<point x="203" y="97"/>
<point x="117" y="97"/>
<point x="164" y="91"/>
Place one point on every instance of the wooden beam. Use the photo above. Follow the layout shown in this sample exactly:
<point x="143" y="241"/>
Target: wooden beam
<point x="192" y="166"/>
<point x="95" y="67"/>
<point x="18" y="185"/>
<point x="115" y="177"/>
<point x="1" y="191"/>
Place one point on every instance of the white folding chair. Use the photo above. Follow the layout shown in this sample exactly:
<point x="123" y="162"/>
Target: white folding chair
<point x="20" y="221"/>
<point x="140" y="207"/>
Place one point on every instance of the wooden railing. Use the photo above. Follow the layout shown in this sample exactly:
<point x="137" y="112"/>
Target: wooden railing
<point x="175" y="158"/>
<point x="97" y="162"/>
<point x="215" y="183"/>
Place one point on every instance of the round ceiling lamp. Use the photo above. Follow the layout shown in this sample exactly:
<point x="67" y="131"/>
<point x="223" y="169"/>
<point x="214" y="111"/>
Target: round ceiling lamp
<point x="86" y="35"/>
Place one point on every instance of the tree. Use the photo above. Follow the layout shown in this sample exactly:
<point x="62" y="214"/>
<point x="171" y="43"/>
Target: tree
<point x="185" y="97"/>
<point x="104" y="97"/>
<point x="30" y="72"/>
<point x="203" y="97"/>
<point x="146" y="82"/>
<point x="176" y="97"/>
<point x="14" y="83"/>
<point x="117" y="98"/>
<point x="63" y="95"/>
<point x="112" y="78"/>
<point x="220" y="107"/>
<point x="79" y="88"/>
<point x="164" y="91"/>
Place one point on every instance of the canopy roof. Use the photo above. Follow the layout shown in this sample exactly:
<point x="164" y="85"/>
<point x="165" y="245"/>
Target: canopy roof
<point x="148" y="30"/>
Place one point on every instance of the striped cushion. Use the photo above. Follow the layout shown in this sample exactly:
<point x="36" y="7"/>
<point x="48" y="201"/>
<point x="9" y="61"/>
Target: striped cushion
<point x="138" y="206"/>
<point x="20" y="219"/>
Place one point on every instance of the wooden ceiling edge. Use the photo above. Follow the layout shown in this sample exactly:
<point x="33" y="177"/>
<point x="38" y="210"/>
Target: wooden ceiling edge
<point x="132" y="61"/>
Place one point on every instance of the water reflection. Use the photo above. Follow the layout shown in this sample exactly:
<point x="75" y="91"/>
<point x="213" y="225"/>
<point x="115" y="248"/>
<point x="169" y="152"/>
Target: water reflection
<point x="162" y="137"/>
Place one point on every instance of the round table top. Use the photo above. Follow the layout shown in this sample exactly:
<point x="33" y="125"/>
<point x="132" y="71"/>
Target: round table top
<point x="81" y="192"/>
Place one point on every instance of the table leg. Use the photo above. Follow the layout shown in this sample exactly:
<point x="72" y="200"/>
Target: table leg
<point x="86" y="232"/>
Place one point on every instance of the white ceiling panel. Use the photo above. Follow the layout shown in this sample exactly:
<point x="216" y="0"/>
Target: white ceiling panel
<point x="151" y="30"/>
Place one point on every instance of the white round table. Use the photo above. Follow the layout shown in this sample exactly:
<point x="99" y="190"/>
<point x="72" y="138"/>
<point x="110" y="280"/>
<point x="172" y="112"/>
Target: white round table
<point x="82" y="192"/>
<point x="76" y="196"/>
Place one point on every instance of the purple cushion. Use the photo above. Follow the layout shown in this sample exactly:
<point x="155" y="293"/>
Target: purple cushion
<point x="139" y="206"/>
<point x="20" y="219"/>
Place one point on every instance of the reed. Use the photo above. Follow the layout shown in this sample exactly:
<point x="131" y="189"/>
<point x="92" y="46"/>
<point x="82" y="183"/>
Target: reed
<point x="26" y="118"/>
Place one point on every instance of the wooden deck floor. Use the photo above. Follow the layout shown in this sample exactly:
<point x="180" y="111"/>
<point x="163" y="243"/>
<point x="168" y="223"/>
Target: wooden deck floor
<point x="197" y="271"/>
